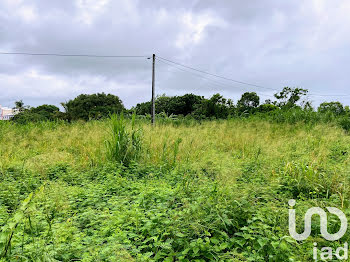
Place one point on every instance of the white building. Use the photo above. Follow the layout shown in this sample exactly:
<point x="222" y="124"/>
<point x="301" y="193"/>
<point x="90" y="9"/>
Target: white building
<point x="7" y="113"/>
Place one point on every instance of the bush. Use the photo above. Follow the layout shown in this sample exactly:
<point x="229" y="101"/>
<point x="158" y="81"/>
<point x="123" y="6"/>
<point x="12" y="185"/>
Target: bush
<point x="344" y="122"/>
<point x="267" y="108"/>
<point x="295" y="115"/>
<point x="26" y="117"/>
<point x="38" y="114"/>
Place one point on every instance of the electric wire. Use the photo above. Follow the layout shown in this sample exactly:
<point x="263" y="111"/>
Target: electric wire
<point x="74" y="55"/>
<point x="168" y="61"/>
<point x="241" y="82"/>
<point x="217" y="83"/>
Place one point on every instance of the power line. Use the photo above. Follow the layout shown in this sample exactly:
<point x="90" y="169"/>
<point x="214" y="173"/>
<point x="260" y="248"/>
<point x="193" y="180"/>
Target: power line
<point x="162" y="60"/>
<point x="192" y="73"/>
<point x="240" y="82"/>
<point x="218" y="76"/>
<point x="220" y="84"/>
<point x="74" y="55"/>
<point x="197" y="75"/>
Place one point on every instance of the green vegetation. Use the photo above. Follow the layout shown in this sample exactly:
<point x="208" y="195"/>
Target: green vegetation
<point x="93" y="106"/>
<point x="83" y="107"/>
<point x="289" y="106"/>
<point x="119" y="189"/>
<point x="123" y="147"/>
<point x="209" y="182"/>
<point x="37" y="114"/>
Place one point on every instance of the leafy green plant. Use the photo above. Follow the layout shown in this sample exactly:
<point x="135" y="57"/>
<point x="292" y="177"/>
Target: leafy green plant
<point x="8" y="231"/>
<point x="260" y="242"/>
<point x="201" y="191"/>
<point x="308" y="181"/>
<point x="344" y="122"/>
<point x="123" y="146"/>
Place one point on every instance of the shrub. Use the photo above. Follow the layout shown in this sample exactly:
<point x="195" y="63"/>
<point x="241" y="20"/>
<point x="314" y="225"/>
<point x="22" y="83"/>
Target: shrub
<point x="344" y="122"/>
<point x="26" y="117"/>
<point x="38" y="114"/>
<point x="266" y="108"/>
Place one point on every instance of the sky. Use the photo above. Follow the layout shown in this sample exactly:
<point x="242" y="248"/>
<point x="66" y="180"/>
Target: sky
<point x="267" y="43"/>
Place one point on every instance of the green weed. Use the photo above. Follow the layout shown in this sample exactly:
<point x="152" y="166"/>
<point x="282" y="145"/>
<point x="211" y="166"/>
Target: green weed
<point x="123" y="146"/>
<point x="175" y="191"/>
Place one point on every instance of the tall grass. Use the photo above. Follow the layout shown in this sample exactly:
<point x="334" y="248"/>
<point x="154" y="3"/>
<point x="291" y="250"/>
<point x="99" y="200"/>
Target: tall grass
<point x="227" y="201"/>
<point x="123" y="145"/>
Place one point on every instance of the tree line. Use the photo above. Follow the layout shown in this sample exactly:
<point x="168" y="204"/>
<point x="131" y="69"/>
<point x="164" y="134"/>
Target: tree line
<point x="96" y="106"/>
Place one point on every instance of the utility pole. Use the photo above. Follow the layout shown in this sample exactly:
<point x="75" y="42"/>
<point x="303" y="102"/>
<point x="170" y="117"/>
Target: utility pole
<point x="153" y="92"/>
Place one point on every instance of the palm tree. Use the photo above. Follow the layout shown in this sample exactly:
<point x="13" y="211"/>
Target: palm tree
<point x="19" y="105"/>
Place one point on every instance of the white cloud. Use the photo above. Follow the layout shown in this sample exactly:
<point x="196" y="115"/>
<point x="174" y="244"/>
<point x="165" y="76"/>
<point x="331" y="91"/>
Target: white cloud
<point x="17" y="8"/>
<point x="27" y="13"/>
<point x="89" y="10"/>
<point x="194" y="26"/>
<point x="55" y="89"/>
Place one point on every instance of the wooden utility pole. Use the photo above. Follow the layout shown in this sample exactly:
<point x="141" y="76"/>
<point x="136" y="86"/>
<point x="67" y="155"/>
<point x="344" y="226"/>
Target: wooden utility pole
<point x="153" y="92"/>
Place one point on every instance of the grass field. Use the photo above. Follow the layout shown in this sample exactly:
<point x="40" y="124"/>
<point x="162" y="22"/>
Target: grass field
<point x="216" y="190"/>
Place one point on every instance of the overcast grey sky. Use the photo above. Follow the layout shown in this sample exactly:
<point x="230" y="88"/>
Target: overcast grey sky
<point x="270" y="43"/>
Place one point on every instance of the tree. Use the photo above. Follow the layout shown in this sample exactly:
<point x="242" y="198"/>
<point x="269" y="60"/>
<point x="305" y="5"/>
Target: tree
<point x="163" y="104"/>
<point x="215" y="107"/>
<point x="186" y="104"/>
<point x="264" y="108"/>
<point x="288" y="97"/>
<point x="334" y="107"/>
<point x="143" y="108"/>
<point x="176" y="105"/>
<point x="19" y="105"/>
<point x="93" y="106"/>
<point x="50" y="112"/>
<point x="248" y="102"/>
<point x="37" y="114"/>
